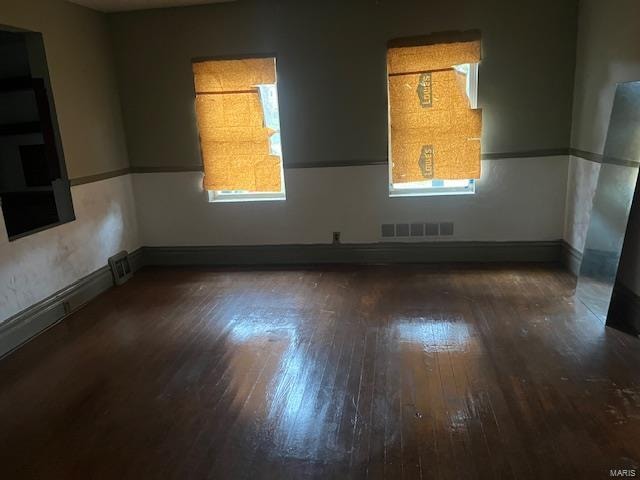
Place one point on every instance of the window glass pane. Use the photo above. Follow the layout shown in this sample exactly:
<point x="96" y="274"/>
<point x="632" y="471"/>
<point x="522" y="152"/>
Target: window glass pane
<point x="269" y="100"/>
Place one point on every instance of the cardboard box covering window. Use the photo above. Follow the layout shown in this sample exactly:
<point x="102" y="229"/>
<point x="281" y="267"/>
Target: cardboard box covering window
<point x="234" y="140"/>
<point x="435" y="134"/>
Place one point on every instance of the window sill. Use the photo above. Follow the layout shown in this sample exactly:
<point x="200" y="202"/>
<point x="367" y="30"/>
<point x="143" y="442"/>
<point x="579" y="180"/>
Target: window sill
<point x="217" y="197"/>
<point x="398" y="193"/>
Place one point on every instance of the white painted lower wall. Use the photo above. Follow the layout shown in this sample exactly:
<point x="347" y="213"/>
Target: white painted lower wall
<point x="516" y="199"/>
<point x="36" y="266"/>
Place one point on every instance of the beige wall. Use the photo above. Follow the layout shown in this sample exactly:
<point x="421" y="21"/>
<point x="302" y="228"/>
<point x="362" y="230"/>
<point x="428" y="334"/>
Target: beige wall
<point x="81" y="68"/>
<point x="77" y="45"/>
<point x="607" y="53"/>
<point x="332" y="86"/>
<point x="332" y="76"/>
<point x="331" y="71"/>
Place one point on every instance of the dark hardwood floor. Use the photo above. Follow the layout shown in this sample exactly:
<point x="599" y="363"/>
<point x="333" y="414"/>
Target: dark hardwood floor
<point x="449" y="372"/>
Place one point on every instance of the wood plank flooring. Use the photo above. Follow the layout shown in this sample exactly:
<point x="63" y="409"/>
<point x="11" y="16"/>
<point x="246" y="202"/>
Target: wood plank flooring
<point x="444" y="372"/>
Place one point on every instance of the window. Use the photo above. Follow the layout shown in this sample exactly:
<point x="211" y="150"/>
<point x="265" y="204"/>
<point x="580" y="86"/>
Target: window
<point x="435" y="125"/>
<point x="239" y="128"/>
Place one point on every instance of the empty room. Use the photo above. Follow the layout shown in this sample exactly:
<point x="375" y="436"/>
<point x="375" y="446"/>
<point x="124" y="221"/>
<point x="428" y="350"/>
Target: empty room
<point x="283" y="239"/>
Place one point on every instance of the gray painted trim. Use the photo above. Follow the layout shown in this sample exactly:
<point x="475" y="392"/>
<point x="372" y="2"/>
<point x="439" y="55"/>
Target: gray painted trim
<point x="336" y="163"/>
<point x="552" y="152"/>
<point x="27" y="324"/>
<point x="593" y="157"/>
<point x="99" y="176"/>
<point x="136" y="259"/>
<point x="549" y="152"/>
<point x="291" y="165"/>
<point x="366" y="253"/>
<point x="167" y="168"/>
<point x="600" y="158"/>
<point x="571" y="258"/>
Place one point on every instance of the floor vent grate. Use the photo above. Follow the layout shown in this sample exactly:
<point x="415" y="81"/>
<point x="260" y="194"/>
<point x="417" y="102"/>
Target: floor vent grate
<point x="120" y="267"/>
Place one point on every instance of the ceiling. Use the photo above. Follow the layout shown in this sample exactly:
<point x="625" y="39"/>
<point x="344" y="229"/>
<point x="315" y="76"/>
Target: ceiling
<point x="125" y="5"/>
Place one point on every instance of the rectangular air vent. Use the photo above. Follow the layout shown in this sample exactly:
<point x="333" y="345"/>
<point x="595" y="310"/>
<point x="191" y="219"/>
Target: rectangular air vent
<point x="432" y="229"/>
<point x="446" y="228"/>
<point x="417" y="229"/>
<point x="120" y="267"/>
<point x="388" y="230"/>
<point x="402" y="229"/>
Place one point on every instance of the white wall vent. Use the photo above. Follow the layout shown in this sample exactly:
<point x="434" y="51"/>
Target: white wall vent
<point x="418" y="229"/>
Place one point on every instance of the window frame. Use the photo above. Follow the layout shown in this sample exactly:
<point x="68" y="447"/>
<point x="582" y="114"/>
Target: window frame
<point x="229" y="196"/>
<point x="226" y="196"/>
<point x="430" y="191"/>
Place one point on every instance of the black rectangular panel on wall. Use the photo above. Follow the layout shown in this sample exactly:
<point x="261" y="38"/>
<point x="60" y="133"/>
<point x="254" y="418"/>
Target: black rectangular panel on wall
<point x="34" y="188"/>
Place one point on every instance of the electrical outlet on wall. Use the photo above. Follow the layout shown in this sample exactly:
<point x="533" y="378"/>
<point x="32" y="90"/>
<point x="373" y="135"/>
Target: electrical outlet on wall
<point x="336" y="237"/>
